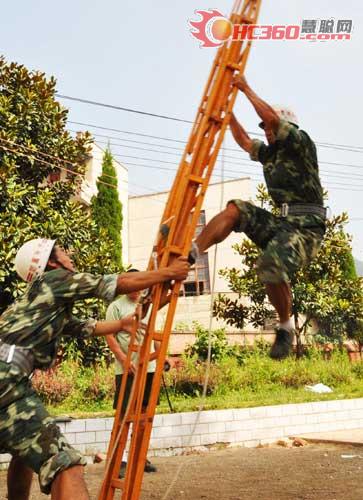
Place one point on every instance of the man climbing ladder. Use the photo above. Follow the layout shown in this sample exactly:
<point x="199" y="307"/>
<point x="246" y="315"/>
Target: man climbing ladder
<point x="291" y="240"/>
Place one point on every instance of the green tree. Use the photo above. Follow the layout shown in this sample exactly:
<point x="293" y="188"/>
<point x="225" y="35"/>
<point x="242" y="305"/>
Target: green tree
<point x="34" y="143"/>
<point x="327" y="290"/>
<point x="107" y="208"/>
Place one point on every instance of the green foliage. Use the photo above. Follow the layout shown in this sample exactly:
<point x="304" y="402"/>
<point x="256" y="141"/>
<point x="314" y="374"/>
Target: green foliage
<point x="255" y="381"/>
<point x="74" y="383"/>
<point x="30" y="205"/>
<point x="327" y="290"/>
<point x="218" y="343"/>
<point x="258" y="373"/>
<point x="107" y="208"/>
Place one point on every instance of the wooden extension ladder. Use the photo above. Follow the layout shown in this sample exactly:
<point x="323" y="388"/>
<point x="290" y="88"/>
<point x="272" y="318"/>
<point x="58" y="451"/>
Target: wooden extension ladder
<point x="174" y="239"/>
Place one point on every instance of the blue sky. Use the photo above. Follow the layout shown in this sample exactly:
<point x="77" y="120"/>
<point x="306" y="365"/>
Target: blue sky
<point x="141" y="55"/>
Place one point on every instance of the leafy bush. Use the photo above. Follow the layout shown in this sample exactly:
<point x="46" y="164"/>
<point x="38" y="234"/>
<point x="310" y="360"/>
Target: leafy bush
<point x="52" y="386"/>
<point x="258" y="372"/>
<point x="75" y="384"/>
<point x="73" y="388"/>
<point x="189" y="380"/>
<point x="218" y="341"/>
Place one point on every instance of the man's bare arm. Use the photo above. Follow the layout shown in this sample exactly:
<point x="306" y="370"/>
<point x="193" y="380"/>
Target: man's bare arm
<point x="267" y="114"/>
<point x="240" y="135"/>
<point x="132" y="282"/>
<point x="113" y="326"/>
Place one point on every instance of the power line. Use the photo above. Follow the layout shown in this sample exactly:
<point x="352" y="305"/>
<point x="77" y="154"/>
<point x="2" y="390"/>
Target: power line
<point x="229" y="163"/>
<point x="243" y="161"/>
<point x="139" y="165"/>
<point x="129" y="140"/>
<point x="27" y="155"/>
<point x="47" y="155"/>
<point x="139" y="134"/>
<point x="120" y="108"/>
<point x="126" y="132"/>
<point x="338" y="147"/>
<point x="334" y="185"/>
<point x="355" y="149"/>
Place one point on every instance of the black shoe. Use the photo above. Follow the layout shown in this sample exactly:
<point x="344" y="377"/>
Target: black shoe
<point x="122" y="472"/>
<point x="282" y="346"/>
<point x="149" y="467"/>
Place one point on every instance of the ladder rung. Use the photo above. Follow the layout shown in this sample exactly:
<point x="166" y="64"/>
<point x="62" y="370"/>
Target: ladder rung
<point x="143" y="416"/>
<point x="117" y="483"/>
<point x="185" y="164"/>
<point x="196" y="179"/>
<point x="158" y="336"/>
<point x="233" y="65"/>
<point x="175" y="250"/>
<point x="216" y="119"/>
<point x="171" y="249"/>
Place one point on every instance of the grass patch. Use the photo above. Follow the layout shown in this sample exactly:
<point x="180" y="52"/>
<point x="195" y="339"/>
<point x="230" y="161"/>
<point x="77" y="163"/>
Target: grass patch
<point x="251" y="380"/>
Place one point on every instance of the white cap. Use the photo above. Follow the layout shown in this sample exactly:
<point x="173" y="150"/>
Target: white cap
<point x="32" y="258"/>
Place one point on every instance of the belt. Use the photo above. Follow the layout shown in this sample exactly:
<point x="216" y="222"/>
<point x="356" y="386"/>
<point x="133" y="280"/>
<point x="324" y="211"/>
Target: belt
<point x="19" y="356"/>
<point x="303" y="209"/>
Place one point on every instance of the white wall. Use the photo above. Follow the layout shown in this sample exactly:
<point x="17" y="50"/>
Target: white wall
<point x="178" y="433"/>
<point x="145" y="214"/>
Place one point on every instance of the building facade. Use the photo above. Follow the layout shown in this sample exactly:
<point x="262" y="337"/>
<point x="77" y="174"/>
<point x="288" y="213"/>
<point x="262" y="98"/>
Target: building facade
<point x="195" y="302"/>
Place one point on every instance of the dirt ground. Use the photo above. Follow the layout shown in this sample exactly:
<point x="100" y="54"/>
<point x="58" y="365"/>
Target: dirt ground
<point x="275" y="473"/>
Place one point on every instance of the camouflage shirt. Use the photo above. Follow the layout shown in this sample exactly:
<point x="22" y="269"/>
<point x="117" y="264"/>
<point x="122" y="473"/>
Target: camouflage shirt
<point x="290" y="166"/>
<point x="43" y="313"/>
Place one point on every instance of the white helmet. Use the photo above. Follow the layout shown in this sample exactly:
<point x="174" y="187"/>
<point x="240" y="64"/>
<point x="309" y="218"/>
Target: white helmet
<point x="284" y="113"/>
<point x="32" y="258"/>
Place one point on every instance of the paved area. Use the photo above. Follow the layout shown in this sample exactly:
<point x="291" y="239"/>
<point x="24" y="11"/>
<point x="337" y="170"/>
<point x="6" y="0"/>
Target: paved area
<point x="352" y="436"/>
<point x="311" y="472"/>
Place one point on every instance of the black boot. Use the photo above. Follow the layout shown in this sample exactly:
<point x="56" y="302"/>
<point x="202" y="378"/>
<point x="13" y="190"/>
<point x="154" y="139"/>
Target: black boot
<point x="282" y="345"/>
<point x="149" y="467"/>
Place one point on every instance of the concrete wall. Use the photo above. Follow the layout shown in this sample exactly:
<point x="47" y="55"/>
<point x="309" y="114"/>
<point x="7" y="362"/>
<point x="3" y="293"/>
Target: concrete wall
<point x="145" y="214"/>
<point x="176" y="433"/>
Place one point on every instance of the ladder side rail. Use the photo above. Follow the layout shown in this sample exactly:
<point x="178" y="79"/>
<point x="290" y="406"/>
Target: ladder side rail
<point x="117" y="426"/>
<point x="196" y="214"/>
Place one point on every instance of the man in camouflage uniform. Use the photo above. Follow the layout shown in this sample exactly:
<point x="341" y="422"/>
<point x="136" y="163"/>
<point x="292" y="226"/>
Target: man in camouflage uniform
<point x="291" y="240"/>
<point x="30" y="331"/>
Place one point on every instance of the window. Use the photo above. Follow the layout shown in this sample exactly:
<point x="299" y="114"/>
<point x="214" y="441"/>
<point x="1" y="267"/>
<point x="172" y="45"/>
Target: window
<point x="198" y="280"/>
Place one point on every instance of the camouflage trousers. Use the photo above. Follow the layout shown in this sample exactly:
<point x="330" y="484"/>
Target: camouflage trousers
<point x="287" y="243"/>
<point x="28" y="432"/>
